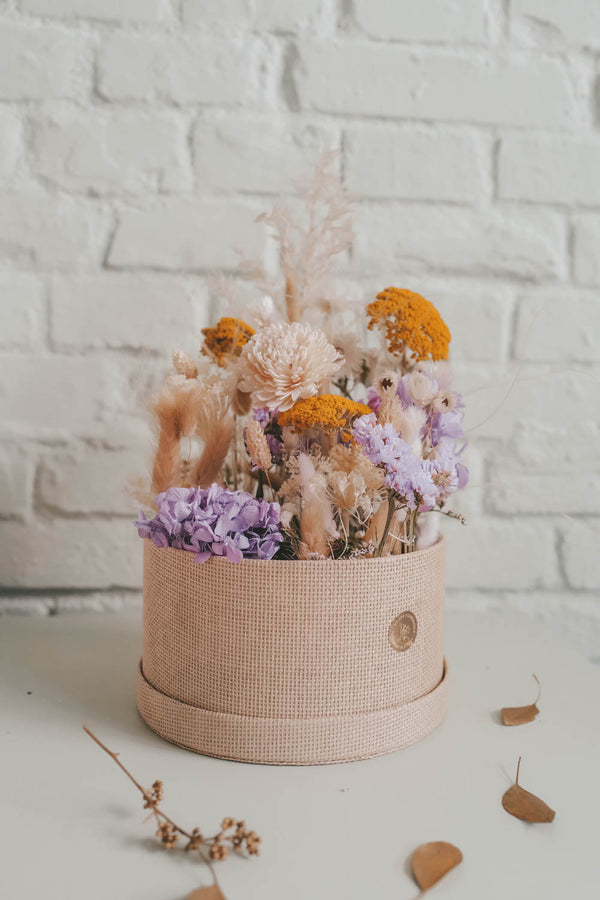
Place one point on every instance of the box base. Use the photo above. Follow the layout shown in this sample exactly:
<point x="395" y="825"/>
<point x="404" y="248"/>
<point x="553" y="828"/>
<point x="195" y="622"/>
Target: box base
<point x="291" y="742"/>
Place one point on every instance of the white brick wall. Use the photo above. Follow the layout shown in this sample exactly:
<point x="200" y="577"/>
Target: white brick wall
<point x="138" y="141"/>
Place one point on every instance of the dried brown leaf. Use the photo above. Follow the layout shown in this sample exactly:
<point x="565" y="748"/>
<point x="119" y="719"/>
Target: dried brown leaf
<point x="430" y="862"/>
<point x="524" y="805"/>
<point x="212" y="892"/>
<point x="520" y="715"/>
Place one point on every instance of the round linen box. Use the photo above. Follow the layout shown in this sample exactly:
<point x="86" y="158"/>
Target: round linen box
<point x="293" y="662"/>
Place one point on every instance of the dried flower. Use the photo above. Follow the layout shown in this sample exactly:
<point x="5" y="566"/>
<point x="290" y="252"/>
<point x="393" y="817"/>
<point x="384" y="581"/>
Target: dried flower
<point x="168" y="831"/>
<point x="317" y="524"/>
<point x="152" y="798"/>
<point x="184" y="365"/>
<point x="257" y="446"/>
<point x="421" y="388"/>
<point x="309" y="243"/>
<point x="404" y="472"/>
<point x="253" y="843"/>
<point x="226" y="339"/>
<point x="347" y="342"/>
<point x="410" y="322"/>
<point x="410" y="423"/>
<point x="176" y="408"/>
<point x="214" y="522"/>
<point x="390" y="410"/>
<point x="195" y="841"/>
<point x="218" y="851"/>
<point x="387" y="383"/>
<point x="157" y="790"/>
<point x="350" y="458"/>
<point x="286" y="363"/>
<point x="445" y="469"/>
<point x="350" y="494"/>
<point x="327" y="411"/>
<point x="444" y="401"/>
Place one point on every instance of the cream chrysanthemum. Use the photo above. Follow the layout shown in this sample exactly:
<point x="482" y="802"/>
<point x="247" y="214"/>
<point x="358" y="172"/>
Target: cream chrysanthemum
<point x="285" y="363"/>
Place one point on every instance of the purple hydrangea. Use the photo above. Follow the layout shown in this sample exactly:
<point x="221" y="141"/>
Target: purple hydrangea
<point x="214" y="522"/>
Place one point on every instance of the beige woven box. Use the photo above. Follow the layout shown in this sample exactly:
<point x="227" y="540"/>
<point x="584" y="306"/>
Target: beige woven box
<point x="293" y="662"/>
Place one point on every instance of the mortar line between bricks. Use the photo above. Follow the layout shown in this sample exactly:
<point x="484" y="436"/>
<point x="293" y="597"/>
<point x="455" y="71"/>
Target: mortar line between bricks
<point x="6" y="593"/>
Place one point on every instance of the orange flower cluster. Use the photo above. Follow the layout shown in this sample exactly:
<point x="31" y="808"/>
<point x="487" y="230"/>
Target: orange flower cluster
<point x="410" y="321"/>
<point x="326" y="411"/>
<point x="227" y="338"/>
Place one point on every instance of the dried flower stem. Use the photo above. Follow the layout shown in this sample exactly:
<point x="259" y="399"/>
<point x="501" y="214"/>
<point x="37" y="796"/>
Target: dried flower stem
<point x="451" y="515"/>
<point x="410" y="535"/>
<point x="209" y="848"/>
<point x="342" y="385"/>
<point x="390" y="515"/>
<point x="115" y="756"/>
<point x="518" y="770"/>
<point x="291" y="300"/>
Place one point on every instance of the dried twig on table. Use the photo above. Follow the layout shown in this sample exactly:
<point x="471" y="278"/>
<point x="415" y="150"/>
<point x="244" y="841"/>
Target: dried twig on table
<point x="233" y="834"/>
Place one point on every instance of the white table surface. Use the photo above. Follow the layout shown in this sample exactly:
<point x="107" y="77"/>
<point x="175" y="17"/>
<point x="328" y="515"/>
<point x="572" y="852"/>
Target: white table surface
<point x="72" y="826"/>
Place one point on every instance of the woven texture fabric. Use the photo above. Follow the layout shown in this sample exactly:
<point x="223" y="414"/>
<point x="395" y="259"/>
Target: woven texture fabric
<point x="292" y="742"/>
<point x="302" y="647"/>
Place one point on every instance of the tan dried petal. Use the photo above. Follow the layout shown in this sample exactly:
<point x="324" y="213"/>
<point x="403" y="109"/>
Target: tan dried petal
<point x="212" y="892"/>
<point x="520" y="715"/>
<point x="430" y="862"/>
<point x="524" y="805"/>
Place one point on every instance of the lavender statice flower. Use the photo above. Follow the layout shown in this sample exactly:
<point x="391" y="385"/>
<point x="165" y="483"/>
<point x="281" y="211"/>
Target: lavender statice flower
<point x="447" y="425"/>
<point x="214" y="522"/>
<point x="445" y="469"/>
<point x="373" y="399"/>
<point x="405" y="473"/>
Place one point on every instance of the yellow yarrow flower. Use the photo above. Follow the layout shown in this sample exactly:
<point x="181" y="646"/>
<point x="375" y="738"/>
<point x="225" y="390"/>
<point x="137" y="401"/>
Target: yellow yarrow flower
<point x="410" y="322"/>
<point x="227" y="338"/>
<point x="326" y="412"/>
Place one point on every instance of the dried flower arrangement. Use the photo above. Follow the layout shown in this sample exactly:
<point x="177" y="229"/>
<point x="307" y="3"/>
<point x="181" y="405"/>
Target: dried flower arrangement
<point x="296" y="435"/>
